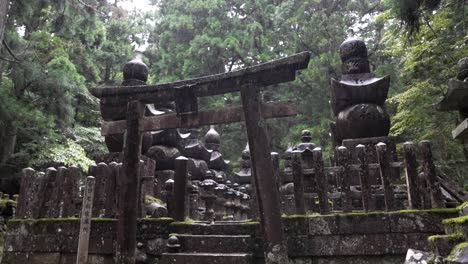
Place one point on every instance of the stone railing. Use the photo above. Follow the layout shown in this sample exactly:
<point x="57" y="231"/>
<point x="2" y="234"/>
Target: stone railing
<point x="353" y="183"/>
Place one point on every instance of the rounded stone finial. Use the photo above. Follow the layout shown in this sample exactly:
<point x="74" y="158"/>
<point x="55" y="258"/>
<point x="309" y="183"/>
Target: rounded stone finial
<point x="306" y="136"/>
<point x="228" y="184"/>
<point x="353" y="53"/>
<point x="173" y="244"/>
<point x="169" y="185"/>
<point x="209" y="175"/>
<point x="136" y="69"/>
<point x="212" y="138"/>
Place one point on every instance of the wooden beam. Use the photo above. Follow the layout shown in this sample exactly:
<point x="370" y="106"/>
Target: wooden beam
<point x="129" y="183"/>
<point x="274" y="72"/>
<point x="274" y="239"/>
<point x="203" y="118"/>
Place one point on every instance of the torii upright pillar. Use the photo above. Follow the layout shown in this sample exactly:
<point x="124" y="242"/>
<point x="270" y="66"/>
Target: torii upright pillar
<point x="275" y="248"/>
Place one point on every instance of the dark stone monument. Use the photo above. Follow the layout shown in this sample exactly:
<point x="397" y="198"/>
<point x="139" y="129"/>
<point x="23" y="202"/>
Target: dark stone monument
<point x="358" y="104"/>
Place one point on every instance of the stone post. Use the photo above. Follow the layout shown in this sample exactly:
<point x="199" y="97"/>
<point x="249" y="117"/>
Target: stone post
<point x="385" y="173"/>
<point x="368" y="203"/>
<point x="209" y="198"/>
<point x="411" y="167"/>
<point x="276" y="168"/>
<point x="180" y="189"/>
<point x="85" y="225"/>
<point x="298" y="182"/>
<point x="437" y="199"/>
<point x="343" y="160"/>
<point x="424" y="192"/>
<point x="168" y="193"/>
<point x="322" y="183"/>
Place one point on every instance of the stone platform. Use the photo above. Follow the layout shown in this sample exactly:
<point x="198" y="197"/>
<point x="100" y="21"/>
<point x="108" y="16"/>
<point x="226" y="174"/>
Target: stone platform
<point x="378" y="238"/>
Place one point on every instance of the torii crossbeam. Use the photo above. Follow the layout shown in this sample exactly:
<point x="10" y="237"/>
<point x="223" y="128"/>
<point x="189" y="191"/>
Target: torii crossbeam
<point x="249" y="81"/>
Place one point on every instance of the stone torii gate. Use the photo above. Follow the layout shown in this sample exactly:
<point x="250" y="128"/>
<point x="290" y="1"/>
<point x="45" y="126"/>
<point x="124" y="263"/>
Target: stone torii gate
<point x="249" y="81"/>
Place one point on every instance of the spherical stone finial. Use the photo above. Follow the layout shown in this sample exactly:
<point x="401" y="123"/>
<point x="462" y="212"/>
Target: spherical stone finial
<point x="212" y="138"/>
<point x="306" y="136"/>
<point x="173" y="244"/>
<point x="209" y="175"/>
<point x="169" y="185"/>
<point x="136" y="69"/>
<point x="228" y="184"/>
<point x="353" y="53"/>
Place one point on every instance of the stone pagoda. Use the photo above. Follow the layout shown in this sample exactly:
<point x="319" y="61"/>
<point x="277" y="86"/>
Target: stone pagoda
<point x="358" y="104"/>
<point x="216" y="162"/>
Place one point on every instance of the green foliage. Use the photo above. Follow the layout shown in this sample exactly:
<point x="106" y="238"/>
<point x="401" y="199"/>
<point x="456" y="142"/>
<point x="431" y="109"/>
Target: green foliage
<point x="426" y="65"/>
<point x="64" y="153"/>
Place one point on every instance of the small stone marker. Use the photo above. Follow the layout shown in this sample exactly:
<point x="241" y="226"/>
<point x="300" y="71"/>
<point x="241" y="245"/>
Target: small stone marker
<point x="85" y="226"/>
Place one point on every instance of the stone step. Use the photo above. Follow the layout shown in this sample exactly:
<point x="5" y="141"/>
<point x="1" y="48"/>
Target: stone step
<point x="459" y="254"/>
<point x="457" y="225"/>
<point x="216" y="243"/>
<point x="217" y="228"/>
<point x="442" y="245"/>
<point x="206" y="258"/>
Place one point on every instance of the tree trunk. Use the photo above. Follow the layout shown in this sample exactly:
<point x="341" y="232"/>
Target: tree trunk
<point x="4" y="4"/>
<point x="8" y="145"/>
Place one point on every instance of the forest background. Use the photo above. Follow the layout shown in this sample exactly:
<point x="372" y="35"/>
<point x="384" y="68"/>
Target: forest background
<point x="55" y="50"/>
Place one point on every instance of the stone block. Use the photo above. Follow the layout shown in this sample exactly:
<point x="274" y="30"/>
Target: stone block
<point x="323" y="225"/>
<point x="296" y="226"/>
<point x="156" y="246"/>
<point x="206" y="258"/>
<point x="416" y="222"/>
<point x="15" y="257"/>
<point x="44" y="258"/>
<point x="349" y="224"/>
<point x="217" y="243"/>
<point x="363" y="224"/>
<point x="355" y="245"/>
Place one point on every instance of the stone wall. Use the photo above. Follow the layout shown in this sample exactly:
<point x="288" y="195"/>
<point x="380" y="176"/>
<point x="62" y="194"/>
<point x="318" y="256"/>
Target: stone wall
<point x="377" y="238"/>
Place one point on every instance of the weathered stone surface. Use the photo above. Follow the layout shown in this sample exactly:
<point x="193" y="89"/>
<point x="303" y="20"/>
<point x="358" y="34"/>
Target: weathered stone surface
<point x="418" y="257"/>
<point x="326" y="239"/>
<point x="355" y="245"/>
<point x="417" y="222"/>
<point x="349" y="224"/>
<point x="459" y="255"/>
<point x="206" y="258"/>
<point x="164" y="156"/>
<point x="362" y="121"/>
<point x="216" y="243"/>
<point x="389" y="259"/>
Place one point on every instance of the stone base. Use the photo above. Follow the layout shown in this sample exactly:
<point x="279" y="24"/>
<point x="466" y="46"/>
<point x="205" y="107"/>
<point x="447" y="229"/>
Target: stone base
<point x="340" y="238"/>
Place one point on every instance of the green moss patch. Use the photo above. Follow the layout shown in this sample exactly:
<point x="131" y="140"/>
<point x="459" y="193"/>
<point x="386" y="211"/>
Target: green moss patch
<point x="452" y="237"/>
<point x="456" y="221"/>
<point x="150" y="199"/>
<point x="456" y="250"/>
